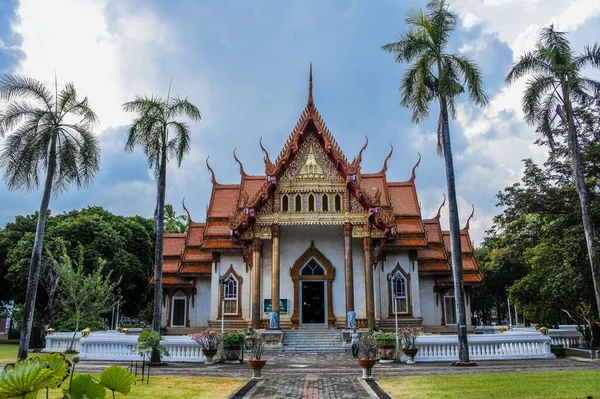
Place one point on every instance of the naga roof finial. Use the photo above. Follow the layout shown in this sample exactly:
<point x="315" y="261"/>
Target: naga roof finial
<point x="186" y="211"/>
<point x="364" y="147"/>
<point x="267" y="158"/>
<point x="439" y="212"/>
<point x="238" y="161"/>
<point x="387" y="158"/>
<point x="413" y="175"/>
<point x="212" y="172"/>
<point x="310" y="86"/>
<point x="469" y="219"/>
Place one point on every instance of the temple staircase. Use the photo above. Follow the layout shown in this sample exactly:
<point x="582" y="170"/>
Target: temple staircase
<point x="313" y="340"/>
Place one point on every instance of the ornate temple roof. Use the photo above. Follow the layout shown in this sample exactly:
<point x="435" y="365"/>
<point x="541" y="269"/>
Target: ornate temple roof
<point x="392" y="208"/>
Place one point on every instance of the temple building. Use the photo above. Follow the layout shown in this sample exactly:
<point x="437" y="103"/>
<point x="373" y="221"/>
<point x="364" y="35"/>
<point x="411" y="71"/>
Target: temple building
<point x="313" y="239"/>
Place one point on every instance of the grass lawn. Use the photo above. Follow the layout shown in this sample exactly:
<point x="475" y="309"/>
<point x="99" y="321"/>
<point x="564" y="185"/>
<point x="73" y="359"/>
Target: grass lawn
<point x="160" y="387"/>
<point x="553" y="384"/>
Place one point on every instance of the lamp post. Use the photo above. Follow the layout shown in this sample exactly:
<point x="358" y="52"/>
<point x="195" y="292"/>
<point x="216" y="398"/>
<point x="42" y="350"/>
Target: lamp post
<point x="118" y="303"/>
<point x="222" y="282"/>
<point x="397" y="339"/>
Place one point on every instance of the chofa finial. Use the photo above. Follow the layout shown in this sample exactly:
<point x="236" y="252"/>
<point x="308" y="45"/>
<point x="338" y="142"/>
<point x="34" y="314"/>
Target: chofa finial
<point x="238" y="161"/>
<point x="267" y="158"/>
<point x="212" y="172"/>
<point x="439" y="212"/>
<point x="388" y="158"/>
<point x="470" y="217"/>
<point x="186" y="211"/>
<point x="413" y="175"/>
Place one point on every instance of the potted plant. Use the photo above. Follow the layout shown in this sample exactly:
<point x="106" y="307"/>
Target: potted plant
<point x="209" y="341"/>
<point x="387" y="346"/>
<point x="408" y="336"/>
<point x="367" y="353"/>
<point x="255" y="353"/>
<point x="149" y="345"/>
<point x="232" y="345"/>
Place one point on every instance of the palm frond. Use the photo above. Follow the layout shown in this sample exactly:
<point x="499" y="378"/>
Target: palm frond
<point x="67" y="97"/>
<point x="553" y="40"/>
<point x="590" y="57"/>
<point x="472" y="77"/>
<point x="536" y="88"/>
<point x="546" y="116"/>
<point x="180" y="144"/>
<point x="182" y="107"/>
<point x="17" y="111"/>
<point x="442" y="22"/>
<point x="530" y="62"/>
<point x="408" y="47"/>
<point x="417" y="90"/>
<point x="13" y="86"/>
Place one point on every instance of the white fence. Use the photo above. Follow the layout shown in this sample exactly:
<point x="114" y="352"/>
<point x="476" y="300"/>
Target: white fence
<point x="527" y="345"/>
<point x="61" y="342"/>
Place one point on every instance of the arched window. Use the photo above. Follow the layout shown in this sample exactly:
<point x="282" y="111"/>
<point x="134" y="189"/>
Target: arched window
<point x="338" y="203"/>
<point x="311" y="203"/>
<point x="325" y="203"/>
<point x="312" y="268"/>
<point x="399" y="293"/>
<point x="230" y="293"/>
<point x="298" y="206"/>
<point x="285" y="204"/>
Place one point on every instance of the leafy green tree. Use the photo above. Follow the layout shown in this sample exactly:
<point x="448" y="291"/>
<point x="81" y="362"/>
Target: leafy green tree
<point x="174" y="223"/>
<point x="162" y="138"/>
<point x="434" y="74"/>
<point x="44" y="133"/>
<point x="556" y="84"/>
<point x="82" y="293"/>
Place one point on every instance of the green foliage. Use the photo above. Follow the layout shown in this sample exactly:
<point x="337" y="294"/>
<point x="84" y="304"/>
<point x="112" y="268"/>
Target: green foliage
<point x="84" y="386"/>
<point x="25" y="379"/>
<point x="233" y="338"/>
<point x="117" y="379"/>
<point x="149" y="342"/>
<point x="65" y="322"/>
<point x="174" y="223"/>
<point x="60" y="367"/>
<point x="124" y="242"/>
<point x="368" y="346"/>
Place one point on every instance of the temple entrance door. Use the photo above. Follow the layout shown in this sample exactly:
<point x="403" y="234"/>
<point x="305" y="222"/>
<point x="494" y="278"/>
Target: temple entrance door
<point x="313" y="302"/>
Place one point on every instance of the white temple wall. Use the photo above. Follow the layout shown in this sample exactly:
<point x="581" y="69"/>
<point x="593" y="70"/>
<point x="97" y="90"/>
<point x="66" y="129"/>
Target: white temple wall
<point x="358" y="271"/>
<point x="200" y="312"/>
<point x="294" y="241"/>
<point x="432" y="314"/>
<point x="392" y="259"/>
<point x="237" y="261"/>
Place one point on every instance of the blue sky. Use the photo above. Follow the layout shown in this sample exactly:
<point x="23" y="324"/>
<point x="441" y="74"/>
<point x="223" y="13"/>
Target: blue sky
<point x="245" y="65"/>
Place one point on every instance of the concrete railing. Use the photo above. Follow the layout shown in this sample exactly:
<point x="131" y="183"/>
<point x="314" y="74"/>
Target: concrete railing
<point x="529" y="345"/>
<point x="124" y="347"/>
<point x="569" y="338"/>
<point x="61" y="342"/>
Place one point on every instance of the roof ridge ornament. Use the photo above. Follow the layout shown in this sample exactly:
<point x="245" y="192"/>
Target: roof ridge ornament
<point x="413" y="175"/>
<point x="267" y="158"/>
<point x="387" y="158"/>
<point x="439" y="212"/>
<point x="212" y="172"/>
<point x="186" y="211"/>
<point x="238" y="161"/>
<point x="470" y="217"/>
<point x="310" y="101"/>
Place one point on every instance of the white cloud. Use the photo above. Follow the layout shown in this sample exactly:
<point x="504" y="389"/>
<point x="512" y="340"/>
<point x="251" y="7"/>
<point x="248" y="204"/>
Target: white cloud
<point x="107" y="60"/>
<point x="470" y="20"/>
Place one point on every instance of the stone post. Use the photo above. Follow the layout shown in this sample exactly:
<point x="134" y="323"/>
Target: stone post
<point x="368" y="248"/>
<point x="348" y="268"/>
<point x="275" y="272"/>
<point x="256" y="247"/>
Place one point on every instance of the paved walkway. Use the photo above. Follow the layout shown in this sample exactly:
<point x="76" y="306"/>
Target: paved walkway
<point x="311" y="386"/>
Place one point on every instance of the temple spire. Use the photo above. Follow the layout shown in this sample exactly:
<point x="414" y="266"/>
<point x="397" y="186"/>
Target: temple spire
<point x="310" y="86"/>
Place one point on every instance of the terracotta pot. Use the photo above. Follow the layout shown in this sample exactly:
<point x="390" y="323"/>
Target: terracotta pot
<point x="367" y="365"/>
<point x="257" y="366"/>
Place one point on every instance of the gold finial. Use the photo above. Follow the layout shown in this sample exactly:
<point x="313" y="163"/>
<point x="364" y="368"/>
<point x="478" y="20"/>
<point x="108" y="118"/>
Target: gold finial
<point x="310" y="86"/>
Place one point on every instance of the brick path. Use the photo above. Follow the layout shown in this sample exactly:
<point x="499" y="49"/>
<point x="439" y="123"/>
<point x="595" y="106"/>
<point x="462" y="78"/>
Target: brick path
<point x="310" y="386"/>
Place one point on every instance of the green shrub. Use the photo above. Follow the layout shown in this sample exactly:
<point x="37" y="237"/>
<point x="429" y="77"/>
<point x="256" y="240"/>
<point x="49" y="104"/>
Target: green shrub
<point x="67" y="323"/>
<point x="233" y="339"/>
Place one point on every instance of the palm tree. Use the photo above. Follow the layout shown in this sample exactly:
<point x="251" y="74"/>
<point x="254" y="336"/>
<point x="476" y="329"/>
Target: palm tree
<point x="174" y="223"/>
<point x="435" y="74"/>
<point x="161" y="138"/>
<point x="556" y="83"/>
<point x="44" y="133"/>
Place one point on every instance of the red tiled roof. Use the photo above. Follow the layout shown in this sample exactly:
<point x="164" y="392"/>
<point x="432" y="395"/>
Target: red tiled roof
<point x="370" y="182"/>
<point x="173" y="244"/>
<point x="403" y="197"/>
<point x="195" y="233"/>
<point x="196" y="269"/>
<point x="250" y="185"/>
<point x="223" y="200"/>
<point x="465" y="241"/>
<point x="170" y="265"/>
<point x="434" y="267"/>
<point x="175" y="281"/>
<point x="218" y="228"/>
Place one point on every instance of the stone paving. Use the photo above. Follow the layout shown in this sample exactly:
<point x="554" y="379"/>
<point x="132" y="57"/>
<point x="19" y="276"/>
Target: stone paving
<point x="310" y="386"/>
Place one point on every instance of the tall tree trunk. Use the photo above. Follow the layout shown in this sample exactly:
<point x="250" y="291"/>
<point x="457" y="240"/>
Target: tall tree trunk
<point x="36" y="256"/>
<point x="456" y="251"/>
<point x="158" y="251"/>
<point x="586" y="214"/>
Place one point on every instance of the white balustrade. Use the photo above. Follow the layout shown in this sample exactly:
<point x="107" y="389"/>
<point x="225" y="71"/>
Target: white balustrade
<point x="516" y="345"/>
<point x="61" y="342"/>
<point x="567" y="337"/>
